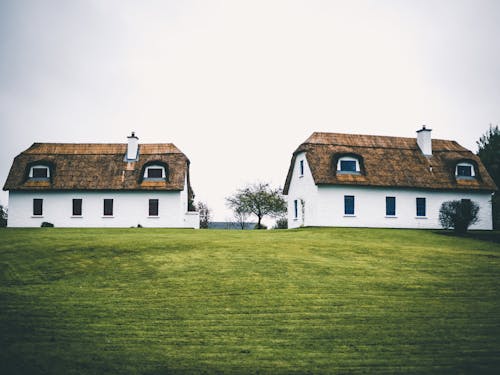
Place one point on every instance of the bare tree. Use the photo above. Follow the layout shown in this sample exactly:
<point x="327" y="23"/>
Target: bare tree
<point x="205" y="214"/>
<point x="240" y="217"/>
<point x="258" y="199"/>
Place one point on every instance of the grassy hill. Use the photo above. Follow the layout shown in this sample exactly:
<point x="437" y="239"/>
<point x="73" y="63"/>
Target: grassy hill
<point x="152" y="301"/>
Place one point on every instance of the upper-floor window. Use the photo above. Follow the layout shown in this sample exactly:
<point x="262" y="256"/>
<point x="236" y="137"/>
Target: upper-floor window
<point x="155" y="171"/>
<point x="465" y="170"/>
<point x="348" y="164"/>
<point x="39" y="171"/>
<point x="301" y="168"/>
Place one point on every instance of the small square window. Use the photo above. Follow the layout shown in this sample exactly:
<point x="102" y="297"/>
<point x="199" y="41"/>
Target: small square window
<point x="348" y="165"/>
<point x="155" y="172"/>
<point x="464" y="170"/>
<point x="40" y="172"/>
<point x="348" y="204"/>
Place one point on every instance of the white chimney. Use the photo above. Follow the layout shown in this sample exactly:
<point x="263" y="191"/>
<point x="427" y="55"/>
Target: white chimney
<point x="424" y="140"/>
<point x="132" y="147"/>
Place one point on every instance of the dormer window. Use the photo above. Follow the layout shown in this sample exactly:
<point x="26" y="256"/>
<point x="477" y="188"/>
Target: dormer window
<point x="348" y="164"/>
<point x="465" y="170"/>
<point x="39" y="172"/>
<point x="155" y="172"/>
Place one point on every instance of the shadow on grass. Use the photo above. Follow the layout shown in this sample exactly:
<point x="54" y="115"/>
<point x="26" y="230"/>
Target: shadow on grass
<point x="482" y="235"/>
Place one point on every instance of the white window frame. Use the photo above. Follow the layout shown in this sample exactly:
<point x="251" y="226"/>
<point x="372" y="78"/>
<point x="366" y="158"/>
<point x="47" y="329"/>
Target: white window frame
<point x="348" y="158"/>
<point x="465" y="164"/>
<point x="163" y="173"/>
<point x="39" y="166"/>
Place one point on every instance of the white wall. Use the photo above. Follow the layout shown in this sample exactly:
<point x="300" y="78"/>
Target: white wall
<point x="129" y="209"/>
<point x="324" y="205"/>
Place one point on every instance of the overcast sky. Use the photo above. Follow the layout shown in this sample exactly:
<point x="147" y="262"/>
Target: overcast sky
<point x="238" y="85"/>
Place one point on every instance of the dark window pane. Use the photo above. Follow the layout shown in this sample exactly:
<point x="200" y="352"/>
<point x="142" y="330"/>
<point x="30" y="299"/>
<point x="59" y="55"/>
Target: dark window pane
<point x="153" y="207"/>
<point x="108" y="207"/>
<point x="40" y="173"/>
<point x="348" y="166"/>
<point x="155" y="173"/>
<point x="302" y="167"/>
<point x="420" y="206"/>
<point x="77" y="207"/>
<point x="37" y="207"/>
<point x="348" y="204"/>
<point x="390" y="206"/>
<point x="296" y="208"/>
<point x="464" y="170"/>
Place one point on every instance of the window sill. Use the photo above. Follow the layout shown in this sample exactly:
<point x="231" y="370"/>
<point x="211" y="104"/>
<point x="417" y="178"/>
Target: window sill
<point x="349" y="172"/>
<point x="153" y="217"/>
<point x="391" y="217"/>
<point x="301" y="176"/>
<point x="295" y="218"/>
<point x="37" y="216"/>
<point x="349" y="215"/>
<point x="108" y="217"/>
<point x="76" y="217"/>
<point x="421" y="217"/>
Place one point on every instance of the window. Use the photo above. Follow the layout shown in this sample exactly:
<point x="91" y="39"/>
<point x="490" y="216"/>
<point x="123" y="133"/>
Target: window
<point x="348" y="204"/>
<point x="348" y="164"/>
<point x="39" y="171"/>
<point x="108" y="207"/>
<point x="77" y="207"/>
<point x="37" y="207"/>
<point x="301" y="165"/>
<point x="421" y="207"/>
<point x="153" y="207"/>
<point x="464" y="170"/>
<point x="390" y="206"/>
<point x="296" y="208"/>
<point x="155" y="171"/>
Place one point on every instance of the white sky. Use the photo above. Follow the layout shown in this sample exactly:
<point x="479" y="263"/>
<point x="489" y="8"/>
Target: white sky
<point x="238" y="85"/>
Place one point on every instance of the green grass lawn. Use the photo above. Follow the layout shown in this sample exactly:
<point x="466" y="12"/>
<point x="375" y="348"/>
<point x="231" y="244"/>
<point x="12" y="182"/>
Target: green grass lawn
<point x="153" y="301"/>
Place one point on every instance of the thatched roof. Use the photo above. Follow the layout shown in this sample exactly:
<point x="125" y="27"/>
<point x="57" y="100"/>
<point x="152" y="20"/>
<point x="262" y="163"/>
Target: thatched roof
<point x="390" y="162"/>
<point x="97" y="167"/>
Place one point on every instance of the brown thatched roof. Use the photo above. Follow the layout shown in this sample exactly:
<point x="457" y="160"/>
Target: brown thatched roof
<point x="97" y="167"/>
<point x="390" y="162"/>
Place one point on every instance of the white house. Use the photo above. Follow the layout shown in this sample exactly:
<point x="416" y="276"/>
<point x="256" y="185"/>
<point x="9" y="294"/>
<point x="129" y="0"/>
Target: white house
<point x="101" y="185"/>
<point x="376" y="181"/>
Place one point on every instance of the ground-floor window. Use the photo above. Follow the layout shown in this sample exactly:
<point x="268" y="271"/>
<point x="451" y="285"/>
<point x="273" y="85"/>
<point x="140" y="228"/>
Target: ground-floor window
<point x="348" y="204"/>
<point x="77" y="207"/>
<point x="37" y="207"/>
<point x="153" y="207"/>
<point x="421" y="207"/>
<point x="108" y="207"/>
<point x="390" y="206"/>
<point x="295" y="208"/>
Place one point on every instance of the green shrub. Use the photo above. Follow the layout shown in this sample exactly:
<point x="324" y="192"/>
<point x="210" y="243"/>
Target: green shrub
<point x="458" y="215"/>
<point x="46" y="224"/>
